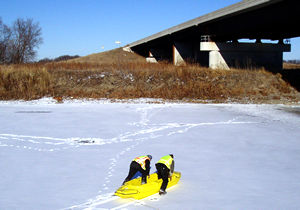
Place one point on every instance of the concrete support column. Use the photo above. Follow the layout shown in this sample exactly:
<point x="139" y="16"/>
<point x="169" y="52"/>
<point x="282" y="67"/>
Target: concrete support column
<point x="177" y="58"/>
<point x="151" y="58"/>
<point x="184" y="52"/>
<point x="245" y="55"/>
<point x="216" y="60"/>
<point x="159" y="54"/>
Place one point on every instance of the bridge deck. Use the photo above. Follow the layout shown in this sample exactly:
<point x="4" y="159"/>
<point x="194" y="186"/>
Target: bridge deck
<point x="231" y="17"/>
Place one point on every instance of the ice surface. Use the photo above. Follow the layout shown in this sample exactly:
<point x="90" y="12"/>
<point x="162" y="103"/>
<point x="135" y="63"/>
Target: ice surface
<point x="76" y="154"/>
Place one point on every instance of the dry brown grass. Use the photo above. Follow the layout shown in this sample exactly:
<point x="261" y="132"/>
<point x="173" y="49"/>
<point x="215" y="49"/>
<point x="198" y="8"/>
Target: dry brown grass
<point x="110" y="57"/>
<point x="126" y="80"/>
<point x="24" y="82"/>
<point x="291" y="66"/>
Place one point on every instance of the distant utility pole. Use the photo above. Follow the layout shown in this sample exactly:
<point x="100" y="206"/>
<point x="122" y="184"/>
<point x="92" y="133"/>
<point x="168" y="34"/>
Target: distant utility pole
<point x="118" y="60"/>
<point x="118" y="43"/>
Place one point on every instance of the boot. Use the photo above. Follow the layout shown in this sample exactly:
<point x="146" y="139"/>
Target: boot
<point x="162" y="192"/>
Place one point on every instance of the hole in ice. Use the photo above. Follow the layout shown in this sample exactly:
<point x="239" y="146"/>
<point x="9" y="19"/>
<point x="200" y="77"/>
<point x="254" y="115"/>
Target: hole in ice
<point x="33" y="112"/>
<point x="85" y="141"/>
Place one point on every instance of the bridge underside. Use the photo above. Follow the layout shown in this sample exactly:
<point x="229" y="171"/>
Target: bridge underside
<point x="272" y="21"/>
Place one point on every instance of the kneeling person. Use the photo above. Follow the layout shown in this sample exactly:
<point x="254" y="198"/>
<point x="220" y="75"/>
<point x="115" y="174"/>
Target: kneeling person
<point x="141" y="164"/>
<point x="165" y="169"/>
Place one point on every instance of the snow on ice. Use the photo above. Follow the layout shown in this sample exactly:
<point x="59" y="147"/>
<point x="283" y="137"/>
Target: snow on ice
<point x="76" y="154"/>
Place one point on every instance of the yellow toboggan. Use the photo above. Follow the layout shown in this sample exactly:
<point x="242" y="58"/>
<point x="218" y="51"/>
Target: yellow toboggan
<point x="134" y="188"/>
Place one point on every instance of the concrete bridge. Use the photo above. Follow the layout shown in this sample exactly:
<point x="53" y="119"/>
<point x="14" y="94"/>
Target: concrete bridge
<point x="213" y="39"/>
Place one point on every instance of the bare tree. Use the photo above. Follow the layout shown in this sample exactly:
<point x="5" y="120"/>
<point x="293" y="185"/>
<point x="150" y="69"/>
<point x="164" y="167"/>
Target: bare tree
<point x="18" y="43"/>
<point x="5" y="35"/>
<point x="26" y="36"/>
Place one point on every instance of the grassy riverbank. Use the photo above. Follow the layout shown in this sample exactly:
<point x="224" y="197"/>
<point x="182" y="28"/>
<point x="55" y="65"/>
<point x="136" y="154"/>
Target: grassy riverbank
<point x="117" y="77"/>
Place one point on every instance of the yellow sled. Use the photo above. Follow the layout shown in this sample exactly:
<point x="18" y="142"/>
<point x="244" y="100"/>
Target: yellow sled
<point x="134" y="188"/>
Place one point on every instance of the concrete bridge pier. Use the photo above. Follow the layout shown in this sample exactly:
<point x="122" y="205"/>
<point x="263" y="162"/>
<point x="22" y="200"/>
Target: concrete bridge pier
<point x="222" y="55"/>
<point x="245" y="55"/>
<point x="188" y="52"/>
<point x="159" y="54"/>
<point x="184" y="52"/>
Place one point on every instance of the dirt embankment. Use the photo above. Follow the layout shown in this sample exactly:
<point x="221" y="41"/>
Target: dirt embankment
<point x="116" y="77"/>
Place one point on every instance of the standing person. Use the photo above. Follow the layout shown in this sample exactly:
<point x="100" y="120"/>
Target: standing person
<point x="165" y="169"/>
<point x="141" y="164"/>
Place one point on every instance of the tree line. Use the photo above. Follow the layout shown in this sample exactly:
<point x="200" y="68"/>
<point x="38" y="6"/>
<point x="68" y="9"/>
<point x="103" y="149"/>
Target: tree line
<point x="60" y="58"/>
<point x="19" y="41"/>
<point x="296" y="61"/>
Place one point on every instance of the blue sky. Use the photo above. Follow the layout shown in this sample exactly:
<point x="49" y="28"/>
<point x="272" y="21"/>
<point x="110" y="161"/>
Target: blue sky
<point x="82" y="27"/>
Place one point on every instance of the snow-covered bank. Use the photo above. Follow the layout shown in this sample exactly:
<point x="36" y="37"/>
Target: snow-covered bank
<point x="76" y="154"/>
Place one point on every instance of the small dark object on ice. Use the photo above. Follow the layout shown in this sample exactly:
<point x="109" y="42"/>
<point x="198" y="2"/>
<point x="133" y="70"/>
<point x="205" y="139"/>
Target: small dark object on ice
<point x="162" y="192"/>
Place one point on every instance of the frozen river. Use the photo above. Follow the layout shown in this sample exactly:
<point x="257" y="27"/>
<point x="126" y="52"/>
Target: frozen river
<point x="76" y="154"/>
